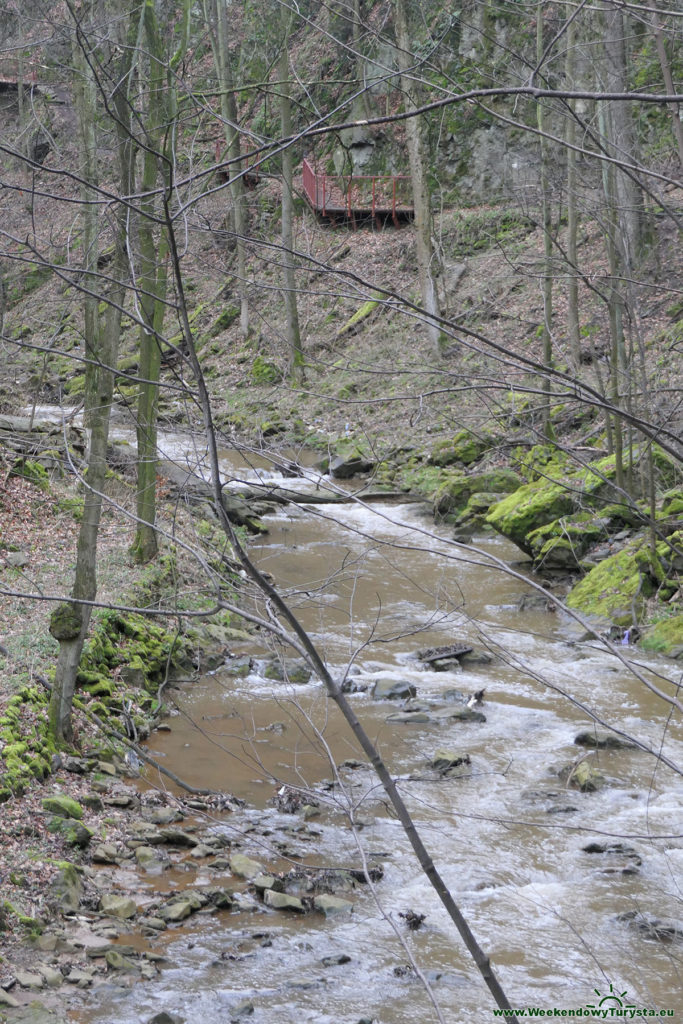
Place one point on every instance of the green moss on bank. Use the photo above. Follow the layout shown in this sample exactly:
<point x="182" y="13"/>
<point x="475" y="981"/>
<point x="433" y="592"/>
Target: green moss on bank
<point x="618" y="588"/>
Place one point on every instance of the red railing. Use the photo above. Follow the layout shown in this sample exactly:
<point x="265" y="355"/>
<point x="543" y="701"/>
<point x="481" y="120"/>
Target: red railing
<point x="374" y="194"/>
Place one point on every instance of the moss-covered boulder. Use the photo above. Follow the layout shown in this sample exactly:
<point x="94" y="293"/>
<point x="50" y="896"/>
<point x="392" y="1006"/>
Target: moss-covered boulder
<point x="672" y="502"/>
<point x="63" y="806"/>
<point x="665" y="637"/>
<point x="555" y="494"/>
<point x="528" y="508"/>
<point x="562" y="543"/>
<point x="617" y="589"/>
<point x="456" y="489"/>
<point x="465" y="448"/>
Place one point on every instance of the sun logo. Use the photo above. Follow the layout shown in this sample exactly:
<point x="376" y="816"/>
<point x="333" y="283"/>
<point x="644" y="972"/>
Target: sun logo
<point x="612" y="998"/>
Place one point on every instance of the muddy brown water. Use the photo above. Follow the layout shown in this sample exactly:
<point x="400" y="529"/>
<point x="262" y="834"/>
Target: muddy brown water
<point x="373" y="585"/>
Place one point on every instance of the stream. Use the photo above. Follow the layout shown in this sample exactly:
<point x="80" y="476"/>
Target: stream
<point x="373" y="584"/>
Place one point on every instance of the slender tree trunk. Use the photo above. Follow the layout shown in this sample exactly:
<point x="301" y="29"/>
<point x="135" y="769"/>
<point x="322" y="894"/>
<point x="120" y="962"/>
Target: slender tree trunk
<point x="296" y="357"/>
<point x="232" y="140"/>
<point x="572" y="211"/>
<point x="627" y="192"/>
<point x="546" y="207"/>
<point x="418" y="161"/>
<point x="665" y="65"/>
<point x="615" y="302"/>
<point x="152" y="276"/>
<point x="151" y="291"/>
<point x="69" y="622"/>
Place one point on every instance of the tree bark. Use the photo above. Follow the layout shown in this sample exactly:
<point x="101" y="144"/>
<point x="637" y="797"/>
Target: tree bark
<point x="70" y="622"/>
<point x="296" y="356"/>
<point x="232" y="140"/>
<point x="546" y="208"/>
<point x="417" y="159"/>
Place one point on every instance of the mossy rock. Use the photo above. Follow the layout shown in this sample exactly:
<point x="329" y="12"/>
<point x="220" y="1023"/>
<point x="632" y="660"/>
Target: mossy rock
<point x="541" y="461"/>
<point x="466" y="447"/>
<point x="263" y="372"/>
<point x="665" y="637"/>
<point x="562" y="543"/>
<point x="618" y="588"/>
<point x="528" y="508"/>
<point x="672" y="502"/>
<point x="556" y="494"/>
<point x="457" y="489"/>
<point x="63" y="806"/>
<point x="667" y="470"/>
<point x="33" y="471"/>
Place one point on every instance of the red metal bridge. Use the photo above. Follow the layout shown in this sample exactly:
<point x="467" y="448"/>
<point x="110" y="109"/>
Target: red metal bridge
<point x="357" y="199"/>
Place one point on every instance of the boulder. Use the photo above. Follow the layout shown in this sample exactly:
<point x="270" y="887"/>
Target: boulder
<point x="616" y="590"/>
<point x="177" y="911"/>
<point x="166" y="1018"/>
<point x="122" y="907"/>
<point x="294" y="671"/>
<point x="148" y="859"/>
<point x="331" y="906"/>
<point x="105" y="853"/>
<point x="27" y="979"/>
<point x="343" y="467"/>
<point x="63" y="806"/>
<point x="118" y="962"/>
<point x="281" y="901"/>
<point x="445" y="759"/>
<point x="563" y="543"/>
<point x="67" y="887"/>
<point x="74" y="832"/>
<point x="665" y="637"/>
<point x="7" y="1000"/>
<point x="466" y="447"/>
<point x="457" y="489"/>
<point x="177" y="837"/>
<point x="388" y="689"/>
<point x="601" y="740"/>
<point x="244" y="866"/>
<point x="583" y="776"/>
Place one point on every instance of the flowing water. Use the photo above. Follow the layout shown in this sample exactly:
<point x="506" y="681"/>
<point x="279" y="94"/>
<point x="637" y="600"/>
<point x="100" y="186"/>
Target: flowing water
<point x="373" y="585"/>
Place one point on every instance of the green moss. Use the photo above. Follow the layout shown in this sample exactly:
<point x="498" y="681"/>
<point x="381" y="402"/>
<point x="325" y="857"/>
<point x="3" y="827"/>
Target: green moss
<point x="361" y="314"/>
<point x="528" y="508"/>
<point x="665" y="637"/>
<point x="65" y="622"/>
<point x="618" y="588"/>
<point x="456" y="490"/>
<point x="32" y="471"/>
<point x="224" y="320"/>
<point x="263" y="372"/>
<point x="63" y="806"/>
<point x="75" y="385"/>
<point x="562" y="543"/>
<point x="465" y="447"/>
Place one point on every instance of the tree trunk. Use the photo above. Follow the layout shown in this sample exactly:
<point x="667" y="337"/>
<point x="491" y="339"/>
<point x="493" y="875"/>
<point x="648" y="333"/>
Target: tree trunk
<point x="232" y="140"/>
<point x="546" y="205"/>
<point x="296" y="356"/>
<point x="151" y="293"/>
<point x="417" y="159"/>
<point x="572" y="211"/>
<point x="69" y="622"/>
